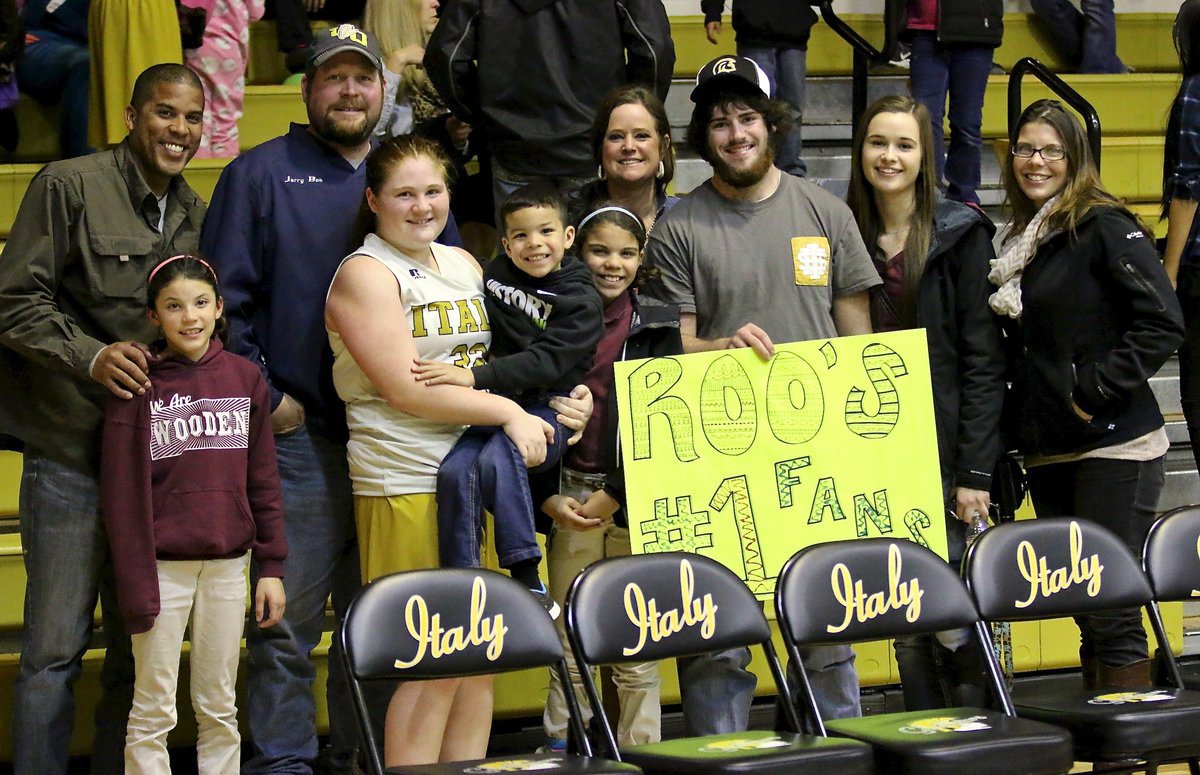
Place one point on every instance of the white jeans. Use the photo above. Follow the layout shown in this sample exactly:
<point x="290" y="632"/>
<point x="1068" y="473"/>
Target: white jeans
<point x="213" y="593"/>
<point x="569" y="552"/>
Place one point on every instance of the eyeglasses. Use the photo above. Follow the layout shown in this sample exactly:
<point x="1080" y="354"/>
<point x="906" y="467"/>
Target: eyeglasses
<point x="1049" y="152"/>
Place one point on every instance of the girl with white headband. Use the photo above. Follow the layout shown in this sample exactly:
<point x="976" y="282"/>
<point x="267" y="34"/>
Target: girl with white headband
<point x="590" y="522"/>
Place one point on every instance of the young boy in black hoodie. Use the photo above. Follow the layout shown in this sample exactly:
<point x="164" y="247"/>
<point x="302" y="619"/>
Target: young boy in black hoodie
<point x="546" y="318"/>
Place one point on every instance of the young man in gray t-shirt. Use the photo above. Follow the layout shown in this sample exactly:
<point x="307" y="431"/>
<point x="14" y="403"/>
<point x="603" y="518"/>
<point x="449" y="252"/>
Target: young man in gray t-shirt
<point x="752" y="257"/>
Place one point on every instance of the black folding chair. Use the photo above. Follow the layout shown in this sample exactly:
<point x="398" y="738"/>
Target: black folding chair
<point x="652" y="607"/>
<point x="403" y="626"/>
<point x="1171" y="559"/>
<point x="1048" y="568"/>
<point x="850" y="591"/>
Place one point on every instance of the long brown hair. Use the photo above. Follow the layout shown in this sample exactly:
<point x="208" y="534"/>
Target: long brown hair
<point x="861" y="197"/>
<point x="1083" y="189"/>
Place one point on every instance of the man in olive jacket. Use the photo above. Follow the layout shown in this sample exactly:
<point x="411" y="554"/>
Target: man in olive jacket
<point x="72" y="328"/>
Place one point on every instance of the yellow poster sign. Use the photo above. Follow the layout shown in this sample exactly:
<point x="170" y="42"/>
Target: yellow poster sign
<point x="746" y="461"/>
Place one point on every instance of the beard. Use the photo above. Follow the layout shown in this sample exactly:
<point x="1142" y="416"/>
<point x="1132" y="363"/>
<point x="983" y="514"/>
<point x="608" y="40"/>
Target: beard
<point x="744" y="177"/>
<point x="343" y="133"/>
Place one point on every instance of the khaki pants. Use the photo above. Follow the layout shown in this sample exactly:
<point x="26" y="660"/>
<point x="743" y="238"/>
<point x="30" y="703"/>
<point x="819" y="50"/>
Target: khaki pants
<point x="569" y="552"/>
<point x="213" y="594"/>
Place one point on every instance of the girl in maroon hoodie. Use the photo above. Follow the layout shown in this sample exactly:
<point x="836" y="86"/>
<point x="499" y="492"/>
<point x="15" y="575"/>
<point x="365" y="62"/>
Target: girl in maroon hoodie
<point x="189" y="490"/>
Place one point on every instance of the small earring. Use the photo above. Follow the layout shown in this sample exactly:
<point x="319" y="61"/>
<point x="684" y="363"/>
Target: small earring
<point x="662" y="171"/>
<point x="600" y="171"/>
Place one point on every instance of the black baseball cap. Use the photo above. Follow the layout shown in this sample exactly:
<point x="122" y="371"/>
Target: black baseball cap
<point x="731" y="72"/>
<point x="344" y="37"/>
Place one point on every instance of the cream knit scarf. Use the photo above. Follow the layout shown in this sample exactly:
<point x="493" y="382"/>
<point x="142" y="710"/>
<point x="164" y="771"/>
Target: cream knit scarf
<point x="1008" y="267"/>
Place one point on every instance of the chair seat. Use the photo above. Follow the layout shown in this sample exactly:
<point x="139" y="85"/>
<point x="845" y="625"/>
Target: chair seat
<point x="549" y="763"/>
<point x="930" y="742"/>
<point x="1147" y="720"/>
<point x="753" y="751"/>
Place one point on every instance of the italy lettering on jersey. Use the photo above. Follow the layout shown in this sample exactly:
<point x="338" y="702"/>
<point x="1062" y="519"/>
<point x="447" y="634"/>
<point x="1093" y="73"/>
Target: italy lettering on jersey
<point x="183" y="425"/>
<point x="460" y="316"/>
<point x="537" y="309"/>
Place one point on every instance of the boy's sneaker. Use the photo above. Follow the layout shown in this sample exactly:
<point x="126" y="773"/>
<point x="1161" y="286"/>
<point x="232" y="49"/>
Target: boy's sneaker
<point x="552" y="745"/>
<point x="543" y="596"/>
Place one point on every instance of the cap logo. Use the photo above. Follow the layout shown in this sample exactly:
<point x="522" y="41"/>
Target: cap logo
<point x="726" y="65"/>
<point x="349" y="32"/>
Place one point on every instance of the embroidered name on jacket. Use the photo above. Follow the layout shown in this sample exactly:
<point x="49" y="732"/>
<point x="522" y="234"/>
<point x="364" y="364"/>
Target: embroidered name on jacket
<point x="184" y="425"/>
<point x="537" y="310"/>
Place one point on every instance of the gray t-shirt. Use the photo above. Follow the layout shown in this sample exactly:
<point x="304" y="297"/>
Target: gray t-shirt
<point x="777" y="263"/>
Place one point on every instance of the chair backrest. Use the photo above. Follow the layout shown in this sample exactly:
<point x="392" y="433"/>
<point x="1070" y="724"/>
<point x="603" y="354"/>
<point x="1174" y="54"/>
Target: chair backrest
<point x="446" y="622"/>
<point x="1043" y="568"/>
<point x="655" y="606"/>
<point x="1172" y="555"/>
<point x="848" y="591"/>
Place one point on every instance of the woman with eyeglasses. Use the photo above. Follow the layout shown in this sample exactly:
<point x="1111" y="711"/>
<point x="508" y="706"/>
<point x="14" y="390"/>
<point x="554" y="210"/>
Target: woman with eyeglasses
<point x="1090" y="316"/>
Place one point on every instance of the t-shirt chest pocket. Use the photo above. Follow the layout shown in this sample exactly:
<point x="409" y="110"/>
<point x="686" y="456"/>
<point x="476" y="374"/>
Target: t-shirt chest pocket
<point x="116" y="265"/>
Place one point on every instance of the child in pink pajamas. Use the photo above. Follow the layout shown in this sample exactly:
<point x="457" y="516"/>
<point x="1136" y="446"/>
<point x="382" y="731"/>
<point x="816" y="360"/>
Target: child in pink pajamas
<point x="221" y="64"/>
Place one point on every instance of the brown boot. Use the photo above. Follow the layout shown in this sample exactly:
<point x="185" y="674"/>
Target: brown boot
<point x="1091" y="672"/>
<point x="1135" y="675"/>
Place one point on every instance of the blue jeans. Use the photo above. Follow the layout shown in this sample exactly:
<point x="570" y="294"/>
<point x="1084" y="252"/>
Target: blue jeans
<point x="55" y="70"/>
<point x="322" y="560"/>
<point x="484" y="471"/>
<point x="1087" y="39"/>
<point x="962" y="73"/>
<point x="1121" y="495"/>
<point x="67" y="564"/>
<point x="716" y="689"/>
<point x="785" y="67"/>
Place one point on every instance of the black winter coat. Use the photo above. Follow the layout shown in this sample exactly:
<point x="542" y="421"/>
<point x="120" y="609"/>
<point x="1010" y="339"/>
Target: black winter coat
<point x="966" y="359"/>
<point x="766" y="23"/>
<point x="530" y="73"/>
<point x="960" y="22"/>
<point x="1099" y="319"/>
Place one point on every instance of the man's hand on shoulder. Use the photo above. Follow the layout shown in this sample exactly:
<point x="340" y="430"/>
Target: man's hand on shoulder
<point x="122" y="368"/>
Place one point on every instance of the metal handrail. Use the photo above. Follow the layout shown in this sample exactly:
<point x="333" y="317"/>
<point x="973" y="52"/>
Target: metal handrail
<point x="1062" y="90"/>
<point x="864" y="54"/>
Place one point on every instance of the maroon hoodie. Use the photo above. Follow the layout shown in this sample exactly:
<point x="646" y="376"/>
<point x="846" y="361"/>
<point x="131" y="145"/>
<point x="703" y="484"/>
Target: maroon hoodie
<point x="188" y="472"/>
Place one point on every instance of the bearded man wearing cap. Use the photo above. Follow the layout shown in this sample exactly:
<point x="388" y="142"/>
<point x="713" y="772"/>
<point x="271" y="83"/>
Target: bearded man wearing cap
<point x="751" y="257"/>
<point x="282" y="219"/>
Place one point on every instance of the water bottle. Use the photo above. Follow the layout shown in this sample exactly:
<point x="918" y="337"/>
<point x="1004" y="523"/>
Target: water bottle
<point x="1001" y="631"/>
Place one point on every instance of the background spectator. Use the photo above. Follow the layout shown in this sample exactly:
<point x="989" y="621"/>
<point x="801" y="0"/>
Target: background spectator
<point x="124" y="38"/>
<point x="220" y="61"/>
<point x="1086" y="38"/>
<point x="531" y="74"/>
<point x="54" y="69"/>
<point x="293" y="19"/>
<point x="952" y="46"/>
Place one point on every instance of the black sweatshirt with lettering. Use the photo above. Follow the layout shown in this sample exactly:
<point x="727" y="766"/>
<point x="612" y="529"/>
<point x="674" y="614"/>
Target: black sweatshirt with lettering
<point x="544" y="329"/>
